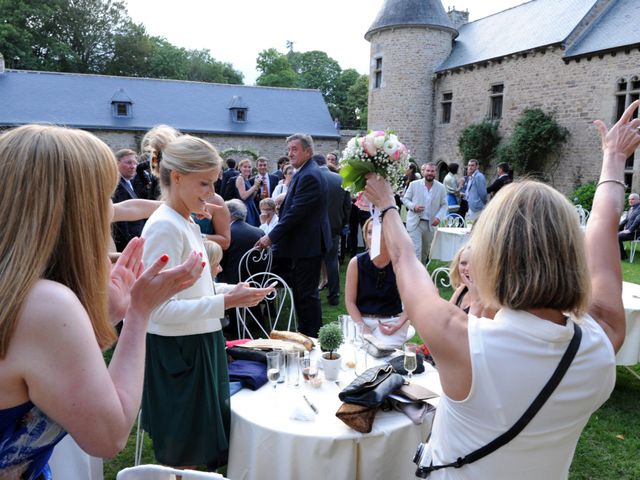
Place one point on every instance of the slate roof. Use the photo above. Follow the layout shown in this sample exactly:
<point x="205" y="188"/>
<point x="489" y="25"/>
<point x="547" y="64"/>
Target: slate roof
<point x="84" y="101"/>
<point x="617" y="27"/>
<point x="405" y="13"/>
<point x="533" y="24"/>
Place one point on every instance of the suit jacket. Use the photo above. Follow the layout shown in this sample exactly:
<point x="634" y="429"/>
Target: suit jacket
<point x="632" y="223"/>
<point x="437" y="207"/>
<point x="498" y="183"/>
<point x="477" y="192"/>
<point x="243" y="238"/>
<point x="227" y="175"/>
<point x="123" y="232"/>
<point x="271" y="185"/>
<point x="338" y="201"/>
<point x="303" y="230"/>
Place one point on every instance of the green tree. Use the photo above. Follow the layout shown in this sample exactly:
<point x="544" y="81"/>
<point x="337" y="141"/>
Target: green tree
<point x="275" y="70"/>
<point x="133" y="52"/>
<point x="356" y="104"/>
<point x="535" y="142"/>
<point x="479" y="141"/>
<point x="317" y="70"/>
<point x="204" y="68"/>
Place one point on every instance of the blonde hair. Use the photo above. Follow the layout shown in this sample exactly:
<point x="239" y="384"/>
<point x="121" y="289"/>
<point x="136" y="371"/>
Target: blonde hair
<point x="155" y="141"/>
<point x="528" y="251"/>
<point x="63" y="179"/>
<point x="244" y="161"/>
<point x="454" y="266"/>
<point x="180" y="153"/>
<point x="214" y="252"/>
<point x="364" y="232"/>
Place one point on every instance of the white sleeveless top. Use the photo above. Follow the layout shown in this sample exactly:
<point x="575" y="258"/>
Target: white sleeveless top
<point x="513" y="357"/>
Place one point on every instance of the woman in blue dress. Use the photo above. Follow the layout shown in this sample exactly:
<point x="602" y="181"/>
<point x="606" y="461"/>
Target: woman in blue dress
<point x="248" y="190"/>
<point x="60" y="299"/>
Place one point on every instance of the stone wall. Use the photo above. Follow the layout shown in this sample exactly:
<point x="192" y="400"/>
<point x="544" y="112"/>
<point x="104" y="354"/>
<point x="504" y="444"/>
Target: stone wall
<point x="575" y="93"/>
<point x="270" y="147"/>
<point x="404" y="102"/>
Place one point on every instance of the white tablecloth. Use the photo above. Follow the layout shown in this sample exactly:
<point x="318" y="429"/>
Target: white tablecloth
<point x="70" y="462"/>
<point x="629" y="354"/>
<point x="266" y="443"/>
<point x="447" y="241"/>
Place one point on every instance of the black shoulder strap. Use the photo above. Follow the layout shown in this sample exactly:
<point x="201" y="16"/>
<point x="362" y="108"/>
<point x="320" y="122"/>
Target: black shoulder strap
<point x="528" y="415"/>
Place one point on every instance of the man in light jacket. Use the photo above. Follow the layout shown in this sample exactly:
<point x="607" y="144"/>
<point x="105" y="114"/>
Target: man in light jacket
<point x="426" y="202"/>
<point x="476" y="191"/>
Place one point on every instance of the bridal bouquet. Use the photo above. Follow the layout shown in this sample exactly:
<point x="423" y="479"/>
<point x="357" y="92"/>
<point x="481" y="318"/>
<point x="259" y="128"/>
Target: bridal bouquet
<point x="378" y="152"/>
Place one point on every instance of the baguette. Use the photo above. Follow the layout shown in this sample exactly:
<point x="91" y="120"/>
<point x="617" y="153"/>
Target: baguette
<point x="295" y="337"/>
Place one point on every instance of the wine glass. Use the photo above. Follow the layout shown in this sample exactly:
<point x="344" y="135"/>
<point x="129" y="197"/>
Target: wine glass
<point x="309" y="370"/>
<point x="273" y="368"/>
<point x="410" y="360"/>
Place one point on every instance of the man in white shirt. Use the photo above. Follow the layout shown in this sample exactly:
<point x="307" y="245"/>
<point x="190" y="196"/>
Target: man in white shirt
<point x="426" y="202"/>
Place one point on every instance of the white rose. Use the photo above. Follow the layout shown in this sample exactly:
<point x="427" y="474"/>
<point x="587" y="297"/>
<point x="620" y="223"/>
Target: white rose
<point x="378" y="142"/>
<point x="391" y="147"/>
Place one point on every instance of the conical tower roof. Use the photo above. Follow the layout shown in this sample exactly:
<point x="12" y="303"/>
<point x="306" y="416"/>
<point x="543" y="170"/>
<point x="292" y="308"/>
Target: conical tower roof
<point x="411" y="13"/>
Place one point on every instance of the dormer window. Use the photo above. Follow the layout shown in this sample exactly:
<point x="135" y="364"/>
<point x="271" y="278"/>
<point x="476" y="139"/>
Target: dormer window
<point x="122" y="109"/>
<point x="121" y="105"/>
<point x="238" y="109"/>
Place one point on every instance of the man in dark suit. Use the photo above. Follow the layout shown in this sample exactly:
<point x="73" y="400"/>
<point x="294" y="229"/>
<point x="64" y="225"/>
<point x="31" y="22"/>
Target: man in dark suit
<point x="302" y="234"/>
<point x="339" y="208"/>
<point x="228" y="177"/>
<point x="243" y="239"/>
<point x="268" y="181"/>
<point x="123" y="232"/>
<point x="630" y="226"/>
<point x="503" y="179"/>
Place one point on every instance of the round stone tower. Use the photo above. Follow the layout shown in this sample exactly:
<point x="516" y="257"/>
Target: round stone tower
<point x="409" y="40"/>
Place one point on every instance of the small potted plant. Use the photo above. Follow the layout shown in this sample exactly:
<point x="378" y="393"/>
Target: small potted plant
<point x="330" y="338"/>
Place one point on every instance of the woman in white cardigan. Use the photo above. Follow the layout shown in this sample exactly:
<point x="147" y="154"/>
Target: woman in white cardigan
<point x="185" y="405"/>
<point x="530" y="259"/>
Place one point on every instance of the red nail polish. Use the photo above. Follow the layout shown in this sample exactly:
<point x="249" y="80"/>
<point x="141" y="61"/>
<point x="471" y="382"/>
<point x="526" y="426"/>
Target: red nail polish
<point x="164" y="258"/>
<point x="203" y="264"/>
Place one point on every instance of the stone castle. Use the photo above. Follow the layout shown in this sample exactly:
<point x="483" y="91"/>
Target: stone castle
<point x="433" y="73"/>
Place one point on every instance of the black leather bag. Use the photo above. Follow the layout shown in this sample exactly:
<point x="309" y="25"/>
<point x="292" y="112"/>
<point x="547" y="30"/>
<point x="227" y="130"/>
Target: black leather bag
<point x="372" y="387"/>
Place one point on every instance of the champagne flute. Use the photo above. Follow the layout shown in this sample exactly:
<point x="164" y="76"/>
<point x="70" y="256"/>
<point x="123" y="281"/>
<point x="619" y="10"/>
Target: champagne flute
<point x="273" y="368"/>
<point x="410" y="360"/>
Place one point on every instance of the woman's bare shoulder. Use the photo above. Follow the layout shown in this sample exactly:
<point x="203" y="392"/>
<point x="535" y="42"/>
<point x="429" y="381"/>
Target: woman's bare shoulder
<point x="49" y="303"/>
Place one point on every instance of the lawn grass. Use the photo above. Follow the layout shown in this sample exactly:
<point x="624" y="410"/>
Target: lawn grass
<point x="607" y="448"/>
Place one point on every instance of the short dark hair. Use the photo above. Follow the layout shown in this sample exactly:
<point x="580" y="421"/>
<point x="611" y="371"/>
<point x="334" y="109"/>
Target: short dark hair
<point x="453" y="168"/>
<point x="320" y="159"/>
<point x="231" y="163"/>
<point x="504" y="166"/>
<point x="282" y="160"/>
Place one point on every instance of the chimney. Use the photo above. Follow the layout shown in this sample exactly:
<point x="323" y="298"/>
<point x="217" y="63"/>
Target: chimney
<point x="458" y="17"/>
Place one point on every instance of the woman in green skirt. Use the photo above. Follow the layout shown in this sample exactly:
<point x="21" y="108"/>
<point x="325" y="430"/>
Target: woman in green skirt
<point x="185" y="405"/>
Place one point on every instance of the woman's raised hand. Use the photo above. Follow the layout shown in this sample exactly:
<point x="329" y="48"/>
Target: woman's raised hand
<point x="124" y="273"/>
<point x="624" y="136"/>
<point x="156" y="285"/>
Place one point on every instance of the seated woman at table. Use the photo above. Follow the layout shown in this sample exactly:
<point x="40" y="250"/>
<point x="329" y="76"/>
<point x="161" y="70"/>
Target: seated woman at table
<point x="60" y="299"/>
<point x="371" y="294"/>
<point x="549" y="280"/>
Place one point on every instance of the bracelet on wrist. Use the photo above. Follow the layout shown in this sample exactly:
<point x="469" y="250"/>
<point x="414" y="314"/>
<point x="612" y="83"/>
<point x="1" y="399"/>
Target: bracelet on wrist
<point x="386" y="209"/>
<point x="612" y="180"/>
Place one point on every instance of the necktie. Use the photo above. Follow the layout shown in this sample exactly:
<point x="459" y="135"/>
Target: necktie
<point x="265" y="190"/>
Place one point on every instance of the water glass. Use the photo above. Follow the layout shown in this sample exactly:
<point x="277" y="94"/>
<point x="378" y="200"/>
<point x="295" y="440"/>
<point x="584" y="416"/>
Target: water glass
<point x="309" y="368"/>
<point x="293" y="368"/>
<point x="348" y="331"/>
<point x="281" y="360"/>
<point x="273" y="368"/>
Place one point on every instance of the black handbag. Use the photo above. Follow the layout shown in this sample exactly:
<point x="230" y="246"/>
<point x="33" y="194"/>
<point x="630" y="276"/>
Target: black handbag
<point x="516" y="428"/>
<point x="372" y="387"/>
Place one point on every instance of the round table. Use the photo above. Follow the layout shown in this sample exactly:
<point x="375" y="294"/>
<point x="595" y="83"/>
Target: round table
<point x="267" y="443"/>
<point x="447" y="241"/>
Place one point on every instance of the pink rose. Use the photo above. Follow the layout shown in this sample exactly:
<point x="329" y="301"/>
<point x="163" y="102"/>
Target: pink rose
<point x="369" y="146"/>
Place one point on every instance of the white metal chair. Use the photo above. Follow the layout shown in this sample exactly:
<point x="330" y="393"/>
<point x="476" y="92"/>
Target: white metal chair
<point x="277" y="308"/>
<point x="583" y="214"/>
<point x="632" y="247"/>
<point x="160" y="472"/>
<point x="254" y="261"/>
<point x="454" y="220"/>
<point x="441" y="277"/>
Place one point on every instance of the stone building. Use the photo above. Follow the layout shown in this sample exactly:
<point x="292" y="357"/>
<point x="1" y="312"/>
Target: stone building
<point x="433" y="73"/>
<point x="119" y="110"/>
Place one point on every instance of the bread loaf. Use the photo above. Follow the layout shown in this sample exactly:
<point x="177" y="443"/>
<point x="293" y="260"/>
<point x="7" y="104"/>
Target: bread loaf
<point x="293" y="337"/>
